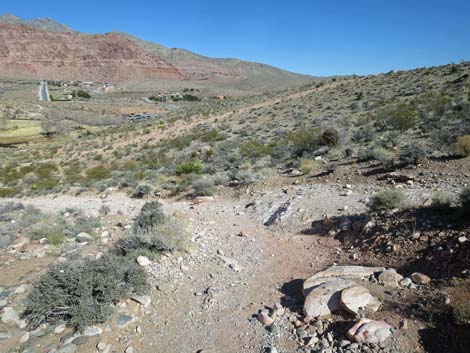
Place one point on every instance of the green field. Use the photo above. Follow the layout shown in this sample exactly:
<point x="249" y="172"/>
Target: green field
<point x="18" y="131"/>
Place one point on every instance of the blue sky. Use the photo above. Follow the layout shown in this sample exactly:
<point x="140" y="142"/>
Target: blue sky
<point x="308" y="36"/>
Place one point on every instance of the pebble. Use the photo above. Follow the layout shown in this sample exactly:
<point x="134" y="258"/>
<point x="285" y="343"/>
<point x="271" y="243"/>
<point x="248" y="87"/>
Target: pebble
<point x="129" y="349"/>
<point x="264" y="318"/>
<point x="123" y="320"/>
<point x="420" y="278"/>
<point x="67" y="348"/>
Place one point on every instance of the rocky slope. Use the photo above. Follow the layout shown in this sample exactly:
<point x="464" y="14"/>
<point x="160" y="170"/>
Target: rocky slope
<point x="43" y="49"/>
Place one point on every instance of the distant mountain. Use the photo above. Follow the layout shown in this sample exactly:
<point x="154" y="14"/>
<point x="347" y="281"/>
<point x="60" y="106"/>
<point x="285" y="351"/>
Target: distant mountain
<point x="45" y="49"/>
<point x="45" y="24"/>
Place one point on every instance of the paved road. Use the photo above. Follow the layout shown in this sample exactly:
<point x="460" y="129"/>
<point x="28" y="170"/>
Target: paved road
<point x="43" y="91"/>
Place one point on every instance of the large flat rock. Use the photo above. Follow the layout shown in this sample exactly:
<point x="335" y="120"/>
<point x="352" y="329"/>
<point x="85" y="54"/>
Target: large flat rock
<point x="344" y="272"/>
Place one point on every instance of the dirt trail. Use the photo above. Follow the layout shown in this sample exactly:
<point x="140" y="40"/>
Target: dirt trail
<point x="236" y="266"/>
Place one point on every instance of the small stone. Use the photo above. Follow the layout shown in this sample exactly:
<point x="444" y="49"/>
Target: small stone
<point x="420" y="278"/>
<point x="123" y="320"/>
<point x="84" y="238"/>
<point x="24" y="338"/>
<point x="389" y="278"/>
<point x="264" y="318"/>
<point x="4" y="336"/>
<point x="406" y="282"/>
<point x="143" y="300"/>
<point x="21" y="289"/>
<point x="67" y="348"/>
<point x="80" y="340"/>
<point x="462" y="239"/>
<point x="59" y="329"/>
<point x="92" y="331"/>
<point x="129" y="349"/>
<point x="10" y="316"/>
<point x="143" y="261"/>
<point x="101" y="346"/>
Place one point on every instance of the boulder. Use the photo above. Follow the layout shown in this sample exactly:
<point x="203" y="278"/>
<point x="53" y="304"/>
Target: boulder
<point x="370" y="331"/>
<point x="345" y="272"/>
<point x="355" y="299"/>
<point x="325" y="298"/>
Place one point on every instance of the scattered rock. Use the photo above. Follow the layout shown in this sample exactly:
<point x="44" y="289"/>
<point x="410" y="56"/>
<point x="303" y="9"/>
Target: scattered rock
<point x="92" y="331"/>
<point x="358" y="298"/>
<point x="129" y="349"/>
<point x="143" y="261"/>
<point x="389" y="278"/>
<point x="420" y="278"/>
<point x="406" y="282"/>
<point x="264" y="318"/>
<point x="24" y="338"/>
<point x="10" y="316"/>
<point x="370" y="331"/>
<point x="325" y="298"/>
<point x="123" y="320"/>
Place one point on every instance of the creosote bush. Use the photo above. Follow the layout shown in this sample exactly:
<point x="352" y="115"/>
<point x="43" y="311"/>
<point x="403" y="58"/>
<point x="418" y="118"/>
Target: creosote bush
<point x="465" y="199"/>
<point x="190" y="167"/>
<point x="81" y="292"/>
<point x="412" y="154"/>
<point x="463" y="145"/>
<point x="154" y="232"/>
<point x="387" y="200"/>
<point x="307" y="166"/>
<point x="203" y="187"/>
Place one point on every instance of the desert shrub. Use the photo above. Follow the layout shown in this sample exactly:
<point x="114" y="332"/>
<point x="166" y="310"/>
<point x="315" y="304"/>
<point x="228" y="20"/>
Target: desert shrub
<point x="9" y="192"/>
<point x="203" y="187"/>
<point x="387" y="200"/>
<point x="385" y="157"/>
<point x="8" y="211"/>
<point x="86" y="224"/>
<point x="81" y="94"/>
<point x="255" y="149"/>
<point x="150" y="215"/>
<point x="141" y="191"/>
<point x="441" y="201"/>
<point x="412" y="154"/>
<point x="403" y="117"/>
<point x="50" y="227"/>
<point x="193" y="166"/>
<point x="463" y="145"/>
<point x="81" y="292"/>
<point x="98" y="173"/>
<point x="305" y="141"/>
<point x="167" y="235"/>
<point x="104" y="210"/>
<point x="307" y="166"/>
<point x="330" y="137"/>
<point x="465" y="199"/>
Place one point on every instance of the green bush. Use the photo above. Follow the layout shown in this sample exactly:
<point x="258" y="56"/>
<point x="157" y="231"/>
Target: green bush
<point x="9" y="192"/>
<point x="412" y="154"/>
<point x="150" y="215"/>
<point x="387" y="200"/>
<point x="81" y="94"/>
<point x="141" y="191"/>
<point x="386" y="158"/>
<point x="463" y="145"/>
<point x="82" y="292"/>
<point x="167" y="235"/>
<point x="203" y="187"/>
<point x="189" y="167"/>
<point x="306" y="141"/>
<point x="255" y="149"/>
<point x="98" y="173"/>
<point x="441" y="202"/>
<point x="403" y="117"/>
<point x="330" y="137"/>
<point x="307" y="166"/>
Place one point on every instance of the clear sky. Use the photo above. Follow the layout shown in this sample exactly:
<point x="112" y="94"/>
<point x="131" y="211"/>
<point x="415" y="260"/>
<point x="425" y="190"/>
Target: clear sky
<point x="317" y="37"/>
